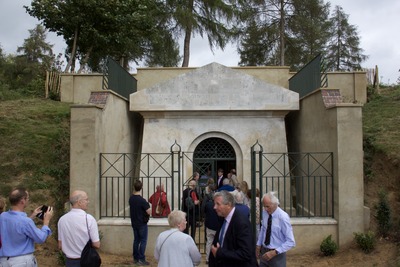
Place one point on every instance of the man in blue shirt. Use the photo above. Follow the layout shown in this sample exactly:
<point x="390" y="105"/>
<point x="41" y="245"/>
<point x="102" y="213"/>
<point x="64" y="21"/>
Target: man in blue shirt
<point x="276" y="235"/>
<point x="19" y="233"/>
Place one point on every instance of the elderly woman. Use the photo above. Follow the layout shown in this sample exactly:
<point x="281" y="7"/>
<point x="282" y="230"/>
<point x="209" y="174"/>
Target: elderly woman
<point x="174" y="248"/>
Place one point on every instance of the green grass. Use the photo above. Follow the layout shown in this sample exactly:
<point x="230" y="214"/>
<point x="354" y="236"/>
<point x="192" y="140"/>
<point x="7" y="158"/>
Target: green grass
<point x="381" y="122"/>
<point x="34" y="148"/>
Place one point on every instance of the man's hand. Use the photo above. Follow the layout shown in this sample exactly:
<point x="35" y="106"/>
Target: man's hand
<point x="269" y="255"/>
<point x="36" y="212"/>
<point x="47" y="216"/>
<point x="214" y="249"/>
<point x="258" y="251"/>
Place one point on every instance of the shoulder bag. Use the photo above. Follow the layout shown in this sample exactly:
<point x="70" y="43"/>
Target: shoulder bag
<point x="89" y="256"/>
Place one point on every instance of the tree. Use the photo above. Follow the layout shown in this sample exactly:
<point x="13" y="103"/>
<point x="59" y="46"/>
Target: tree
<point x="343" y="51"/>
<point x="25" y="72"/>
<point x="35" y="48"/>
<point x="215" y="19"/>
<point x="309" y="32"/>
<point x="164" y="52"/>
<point x="267" y="22"/>
<point x="95" y="29"/>
<point x="258" y="46"/>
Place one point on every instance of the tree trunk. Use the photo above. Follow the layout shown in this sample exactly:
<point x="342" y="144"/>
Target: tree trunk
<point x="73" y="53"/>
<point x="188" y="35"/>
<point x="282" y="34"/>
<point x="85" y="60"/>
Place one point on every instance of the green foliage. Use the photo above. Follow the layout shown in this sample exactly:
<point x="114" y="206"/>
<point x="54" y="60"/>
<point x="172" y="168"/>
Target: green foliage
<point x="309" y="27"/>
<point x="366" y="241"/>
<point x="293" y="32"/>
<point x="61" y="258"/>
<point x="383" y="214"/>
<point x="380" y="126"/>
<point x="23" y="75"/>
<point x="328" y="247"/>
<point x="343" y="50"/>
<point x="34" y="150"/>
<point x="94" y="29"/>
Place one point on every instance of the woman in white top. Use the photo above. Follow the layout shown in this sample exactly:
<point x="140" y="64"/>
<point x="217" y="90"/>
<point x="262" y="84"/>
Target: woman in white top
<point x="175" y="248"/>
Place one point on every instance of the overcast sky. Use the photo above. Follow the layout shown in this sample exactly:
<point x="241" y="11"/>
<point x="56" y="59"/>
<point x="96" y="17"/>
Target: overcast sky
<point x="377" y="23"/>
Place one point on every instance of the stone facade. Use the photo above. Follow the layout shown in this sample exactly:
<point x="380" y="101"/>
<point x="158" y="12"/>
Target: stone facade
<point x="240" y="106"/>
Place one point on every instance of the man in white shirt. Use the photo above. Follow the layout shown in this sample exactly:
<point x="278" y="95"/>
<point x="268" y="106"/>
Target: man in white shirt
<point x="75" y="228"/>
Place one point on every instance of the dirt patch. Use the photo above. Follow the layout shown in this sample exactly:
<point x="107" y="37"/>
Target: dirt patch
<point x="385" y="254"/>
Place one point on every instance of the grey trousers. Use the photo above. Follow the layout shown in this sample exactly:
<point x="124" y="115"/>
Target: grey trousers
<point x="28" y="260"/>
<point x="277" y="261"/>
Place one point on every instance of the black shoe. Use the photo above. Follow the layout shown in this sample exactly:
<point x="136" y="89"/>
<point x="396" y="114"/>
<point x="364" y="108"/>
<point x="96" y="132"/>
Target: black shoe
<point x="143" y="263"/>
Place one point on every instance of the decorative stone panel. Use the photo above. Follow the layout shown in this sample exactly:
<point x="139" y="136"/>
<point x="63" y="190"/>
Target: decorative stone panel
<point x="331" y="97"/>
<point x="98" y="98"/>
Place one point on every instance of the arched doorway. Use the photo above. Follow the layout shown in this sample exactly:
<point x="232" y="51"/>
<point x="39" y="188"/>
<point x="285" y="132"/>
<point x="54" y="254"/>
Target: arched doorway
<point x="210" y="155"/>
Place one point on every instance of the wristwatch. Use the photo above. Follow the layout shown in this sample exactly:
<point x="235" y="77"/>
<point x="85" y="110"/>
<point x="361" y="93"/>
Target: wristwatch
<point x="277" y="253"/>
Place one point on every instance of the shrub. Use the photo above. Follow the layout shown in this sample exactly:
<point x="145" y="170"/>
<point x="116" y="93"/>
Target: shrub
<point x="383" y="214"/>
<point x="366" y="241"/>
<point x="328" y="247"/>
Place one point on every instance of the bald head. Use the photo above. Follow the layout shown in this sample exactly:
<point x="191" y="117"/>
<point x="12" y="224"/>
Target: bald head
<point x="79" y="199"/>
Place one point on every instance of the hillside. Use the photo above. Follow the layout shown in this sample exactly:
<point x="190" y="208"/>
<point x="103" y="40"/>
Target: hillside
<point x="34" y="152"/>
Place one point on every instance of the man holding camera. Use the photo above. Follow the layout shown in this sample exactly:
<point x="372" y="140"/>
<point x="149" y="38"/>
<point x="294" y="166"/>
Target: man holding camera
<point x="19" y="233"/>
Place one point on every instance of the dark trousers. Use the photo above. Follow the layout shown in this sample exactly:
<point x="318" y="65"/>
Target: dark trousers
<point x="72" y="262"/>
<point x="191" y="223"/>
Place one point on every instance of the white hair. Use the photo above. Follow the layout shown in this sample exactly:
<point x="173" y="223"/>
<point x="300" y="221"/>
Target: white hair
<point x="239" y="197"/>
<point x="271" y="195"/>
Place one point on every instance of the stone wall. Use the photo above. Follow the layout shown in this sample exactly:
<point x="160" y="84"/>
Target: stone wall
<point x="322" y="125"/>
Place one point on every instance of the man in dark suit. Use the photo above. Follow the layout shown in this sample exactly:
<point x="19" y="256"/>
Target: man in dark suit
<point x="233" y="243"/>
<point x="220" y="177"/>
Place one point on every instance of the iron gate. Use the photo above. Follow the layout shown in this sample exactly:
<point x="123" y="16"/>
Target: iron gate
<point x="304" y="181"/>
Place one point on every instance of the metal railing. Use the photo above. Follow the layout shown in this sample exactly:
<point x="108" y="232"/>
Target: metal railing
<point x="303" y="181"/>
<point x="311" y="77"/>
<point x="117" y="79"/>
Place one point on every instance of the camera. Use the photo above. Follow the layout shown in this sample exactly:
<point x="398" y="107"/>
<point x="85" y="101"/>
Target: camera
<point x="43" y="209"/>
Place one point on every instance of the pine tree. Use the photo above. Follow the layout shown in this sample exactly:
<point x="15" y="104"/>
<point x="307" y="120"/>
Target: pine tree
<point x="343" y="50"/>
<point x="309" y="26"/>
<point x="266" y="30"/>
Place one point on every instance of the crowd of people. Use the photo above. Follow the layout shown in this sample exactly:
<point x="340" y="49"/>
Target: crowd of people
<point x="223" y="205"/>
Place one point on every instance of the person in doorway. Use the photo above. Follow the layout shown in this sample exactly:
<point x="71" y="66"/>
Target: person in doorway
<point x="191" y="212"/>
<point x="233" y="181"/>
<point x="140" y="213"/>
<point x="220" y="177"/>
<point x="19" y="233"/>
<point x="276" y="235"/>
<point x="199" y="193"/>
<point x="174" y="248"/>
<point x="159" y="203"/>
<point x="75" y="228"/>
<point x="233" y="245"/>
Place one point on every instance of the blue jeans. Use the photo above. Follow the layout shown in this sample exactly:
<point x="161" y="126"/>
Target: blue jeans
<point x="139" y="242"/>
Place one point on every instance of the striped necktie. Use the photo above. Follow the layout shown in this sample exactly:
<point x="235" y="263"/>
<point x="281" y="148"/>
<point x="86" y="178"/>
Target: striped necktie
<point x="268" y="234"/>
